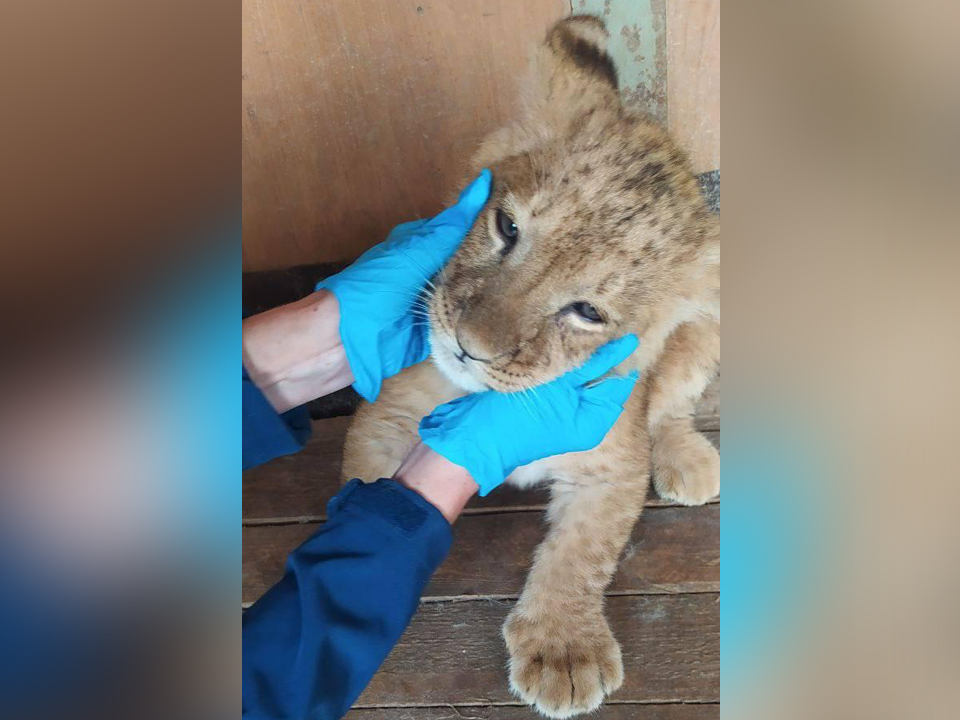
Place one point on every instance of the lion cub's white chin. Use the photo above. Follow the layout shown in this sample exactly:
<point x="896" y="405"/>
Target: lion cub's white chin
<point x="451" y="368"/>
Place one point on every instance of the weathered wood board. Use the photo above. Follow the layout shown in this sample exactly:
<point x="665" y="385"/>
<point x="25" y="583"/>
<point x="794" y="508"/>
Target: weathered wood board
<point x="671" y="550"/>
<point x="299" y="486"/>
<point x="693" y="79"/>
<point x="670" y="644"/>
<point x="610" y="711"/>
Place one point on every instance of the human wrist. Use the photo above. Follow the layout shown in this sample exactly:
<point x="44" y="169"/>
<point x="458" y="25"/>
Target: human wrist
<point x="444" y="484"/>
<point x="293" y="353"/>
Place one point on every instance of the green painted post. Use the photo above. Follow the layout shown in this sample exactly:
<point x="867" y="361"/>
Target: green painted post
<point x="638" y="46"/>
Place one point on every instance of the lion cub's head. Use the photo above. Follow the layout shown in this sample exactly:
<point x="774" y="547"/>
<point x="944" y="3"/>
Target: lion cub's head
<point x="595" y="228"/>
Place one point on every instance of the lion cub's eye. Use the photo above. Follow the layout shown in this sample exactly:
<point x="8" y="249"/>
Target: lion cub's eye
<point x="586" y="311"/>
<point x="508" y="230"/>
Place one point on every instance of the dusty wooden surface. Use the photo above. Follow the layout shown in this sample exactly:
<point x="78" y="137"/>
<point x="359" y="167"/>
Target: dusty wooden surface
<point x="663" y="603"/>
<point x="671" y="550"/>
<point x="453" y="652"/>
<point x="625" y="711"/>
<point x="296" y="488"/>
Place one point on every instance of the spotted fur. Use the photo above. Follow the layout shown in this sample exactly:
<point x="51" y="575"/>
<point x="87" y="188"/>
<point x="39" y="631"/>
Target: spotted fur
<point x="609" y="213"/>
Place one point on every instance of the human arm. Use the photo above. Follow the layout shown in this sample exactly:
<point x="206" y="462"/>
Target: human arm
<point x="361" y="326"/>
<point x="314" y="641"/>
<point x="445" y="485"/>
<point x="294" y="354"/>
<point x="291" y="355"/>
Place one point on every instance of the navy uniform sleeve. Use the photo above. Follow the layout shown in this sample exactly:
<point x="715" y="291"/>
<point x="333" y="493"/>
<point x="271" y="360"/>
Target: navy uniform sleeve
<point x="266" y="434"/>
<point x="313" y="641"/>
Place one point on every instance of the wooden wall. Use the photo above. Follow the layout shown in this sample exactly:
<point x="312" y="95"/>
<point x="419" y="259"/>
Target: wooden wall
<point x="359" y="114"/>
<point x="693" y="79"/>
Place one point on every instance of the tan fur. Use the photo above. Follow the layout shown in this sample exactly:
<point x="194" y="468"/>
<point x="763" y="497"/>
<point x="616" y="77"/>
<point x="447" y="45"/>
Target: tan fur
<point x="609" y="213"/>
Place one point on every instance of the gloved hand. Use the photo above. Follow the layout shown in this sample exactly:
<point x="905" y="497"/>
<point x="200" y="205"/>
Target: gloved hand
<point x="492" y="434"/>
<point x="381" y="332"/>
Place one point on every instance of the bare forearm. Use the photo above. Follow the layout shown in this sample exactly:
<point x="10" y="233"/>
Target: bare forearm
<point x="293" y="353"/>
<point x="445" y="485"/>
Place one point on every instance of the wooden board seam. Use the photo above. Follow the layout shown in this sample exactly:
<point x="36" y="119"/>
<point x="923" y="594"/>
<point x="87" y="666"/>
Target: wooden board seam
<point x="707" y="589"/>
<point x="320" y="519"/>
<point x="482" y="704"/>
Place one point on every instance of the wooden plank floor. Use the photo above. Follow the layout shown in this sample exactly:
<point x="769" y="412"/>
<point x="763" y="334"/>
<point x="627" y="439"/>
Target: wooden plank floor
<point x="663" y="604"/>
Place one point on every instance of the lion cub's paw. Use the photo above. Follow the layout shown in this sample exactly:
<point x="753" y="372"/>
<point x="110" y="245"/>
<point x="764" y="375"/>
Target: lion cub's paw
<point x="562" y="667"/>
<point x="686" y="467"/>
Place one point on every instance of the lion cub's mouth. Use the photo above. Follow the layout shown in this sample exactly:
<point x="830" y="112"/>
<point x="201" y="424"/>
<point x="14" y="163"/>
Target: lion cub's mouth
<point x="457" y="366"/>
<point x="461" y="371"/>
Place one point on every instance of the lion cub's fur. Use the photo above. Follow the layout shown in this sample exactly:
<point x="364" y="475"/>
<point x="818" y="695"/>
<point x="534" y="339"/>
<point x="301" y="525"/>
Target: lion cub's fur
<point x="608" y="213"/>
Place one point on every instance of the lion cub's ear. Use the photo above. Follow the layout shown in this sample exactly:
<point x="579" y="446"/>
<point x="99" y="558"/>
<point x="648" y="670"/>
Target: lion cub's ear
<point x="571" y="75"/>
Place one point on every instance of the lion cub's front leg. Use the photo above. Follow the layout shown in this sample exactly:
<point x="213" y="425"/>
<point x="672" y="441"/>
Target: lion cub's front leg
<point x="381" y="435"/>
<point x="563" y="657"/>
<point x="686" y="467"/>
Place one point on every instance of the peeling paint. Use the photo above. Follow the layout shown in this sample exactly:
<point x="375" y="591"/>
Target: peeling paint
<point x="631" y="36"/>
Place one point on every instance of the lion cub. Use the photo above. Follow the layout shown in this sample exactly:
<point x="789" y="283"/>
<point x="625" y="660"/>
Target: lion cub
<point x="595" y="228"/>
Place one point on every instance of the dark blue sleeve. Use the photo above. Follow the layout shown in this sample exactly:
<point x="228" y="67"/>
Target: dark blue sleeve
<point x="266" y="434"/>
<point x="314" y="640"/>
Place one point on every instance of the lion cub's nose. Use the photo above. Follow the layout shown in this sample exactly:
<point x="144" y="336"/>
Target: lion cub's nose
<point x="462" y="357"/>
<point x="471" y="347"/>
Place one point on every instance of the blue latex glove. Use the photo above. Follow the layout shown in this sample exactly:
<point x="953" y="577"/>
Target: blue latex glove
<point x="492" y="434"/>
<point x="380" y="331"/>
